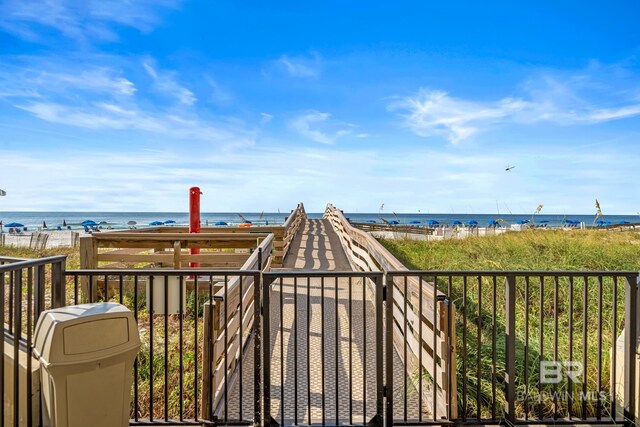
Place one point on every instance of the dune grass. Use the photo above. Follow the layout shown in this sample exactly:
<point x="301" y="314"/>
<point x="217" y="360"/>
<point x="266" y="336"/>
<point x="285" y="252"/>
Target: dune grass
<point x="528" y="250"/>
<point x="73" y="254"/>
<point x="578" y="307"/>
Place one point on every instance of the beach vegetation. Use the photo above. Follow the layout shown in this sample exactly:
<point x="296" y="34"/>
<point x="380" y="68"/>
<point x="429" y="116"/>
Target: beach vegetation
<point x="565" y="316"/>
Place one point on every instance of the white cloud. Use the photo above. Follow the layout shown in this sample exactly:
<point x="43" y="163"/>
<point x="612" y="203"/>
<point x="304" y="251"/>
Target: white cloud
<point x="219" y="94"/>
<point x="106" y="116"/>
<point x="100" y="97"/>
<point x="319" y="127"/>
<point x="300" y="67"/>
<point x="36" y="80"/>
<point x="434" y="112"/>
<point x="353" y="180"/>
<point x="266" y="118"/>
<point x="166" y="83"/>
<point x="80" y="20"/>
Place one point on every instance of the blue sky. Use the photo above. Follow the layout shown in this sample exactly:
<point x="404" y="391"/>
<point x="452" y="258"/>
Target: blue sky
<point x="115" y="106"/>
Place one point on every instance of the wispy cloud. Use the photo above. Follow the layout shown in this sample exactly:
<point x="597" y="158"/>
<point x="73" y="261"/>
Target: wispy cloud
<point x="319" y="127"/>
<point x="166" y="83"/>
<point x="39" y="78"/>
<point x="277" y="177"/>
<point x="266" y="118"/>
<point x="100" y="97"/>
<point x="436" y="113"/>
<point x="105" y="116"/>
<point x="546" y="98"/>
<point x="80" y="20"/>
<point x="300" y="67"/>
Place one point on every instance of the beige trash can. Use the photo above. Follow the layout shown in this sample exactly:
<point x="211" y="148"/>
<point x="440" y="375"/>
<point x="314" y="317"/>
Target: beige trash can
<point x="86" y="354"/>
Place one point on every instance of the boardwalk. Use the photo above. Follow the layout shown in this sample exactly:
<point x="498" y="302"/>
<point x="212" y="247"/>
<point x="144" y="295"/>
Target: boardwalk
<point x="339" y="380"/>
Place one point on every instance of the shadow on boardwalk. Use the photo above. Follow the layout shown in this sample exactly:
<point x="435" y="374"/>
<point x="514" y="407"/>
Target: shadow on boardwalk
<point x="323" y="343"/>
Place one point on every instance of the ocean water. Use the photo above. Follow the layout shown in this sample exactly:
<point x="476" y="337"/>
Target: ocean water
<point x="118" y="220"/>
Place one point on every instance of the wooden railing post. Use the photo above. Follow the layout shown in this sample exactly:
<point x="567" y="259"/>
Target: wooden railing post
<point x="58" y="284"/>
<point x="88" y="261"/>
<point x="177" y="253"/>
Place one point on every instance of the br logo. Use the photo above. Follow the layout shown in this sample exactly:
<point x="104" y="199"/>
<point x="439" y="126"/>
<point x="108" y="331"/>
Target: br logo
<point x="552" y="372"/>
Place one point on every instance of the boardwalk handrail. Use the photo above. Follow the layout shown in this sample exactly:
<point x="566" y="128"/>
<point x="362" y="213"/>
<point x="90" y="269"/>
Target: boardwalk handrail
<point x="365" y="253"/>
<point x="291" y="228"/>
<point x="232" y="312"/>
<point x="167" y="248"/>
<point x="401" y="228"/>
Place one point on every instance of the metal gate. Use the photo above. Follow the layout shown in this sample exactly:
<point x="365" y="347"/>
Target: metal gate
<point x="323" y="348"/>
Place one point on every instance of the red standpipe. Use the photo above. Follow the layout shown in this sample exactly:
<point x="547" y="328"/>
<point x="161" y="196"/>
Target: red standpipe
<point x="194" y="218"/>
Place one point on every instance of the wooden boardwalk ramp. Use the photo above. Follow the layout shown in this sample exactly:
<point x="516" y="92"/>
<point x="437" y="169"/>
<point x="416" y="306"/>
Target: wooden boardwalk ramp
<point x="322" y="342"/>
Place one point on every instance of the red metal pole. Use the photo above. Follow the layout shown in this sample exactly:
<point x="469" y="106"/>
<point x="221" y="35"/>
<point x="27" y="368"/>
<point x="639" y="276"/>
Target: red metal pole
<point x="194" y="218"/>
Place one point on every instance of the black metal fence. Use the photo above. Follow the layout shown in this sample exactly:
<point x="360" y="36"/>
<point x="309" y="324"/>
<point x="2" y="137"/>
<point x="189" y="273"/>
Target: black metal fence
<point x="27" y="287"/>
<point x="538" y="346"/>
<point x="169" y="308"/>
<point x="532" y="347"/>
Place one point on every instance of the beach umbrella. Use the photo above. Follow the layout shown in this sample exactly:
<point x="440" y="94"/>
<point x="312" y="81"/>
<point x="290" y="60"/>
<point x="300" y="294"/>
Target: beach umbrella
<point x="394" y="222"/>
<point x="14" y="225"/>
<point x="131" y="223"/>
<point x="156" y="223"/>
<point x="623" y="222"/>
<point x="599" y="223"/>
<point x="523" y="221"/>
<point x="433" y="222"/>
<point x="472" y="223"/>
<point x="169" y="221"/>
<point x="88" y="223"/>
<point x="493" y="223"/>
<point x="220" y="223"/>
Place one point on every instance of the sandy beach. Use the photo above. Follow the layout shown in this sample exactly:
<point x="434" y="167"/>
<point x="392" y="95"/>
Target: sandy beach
<point x="53" y="239"/>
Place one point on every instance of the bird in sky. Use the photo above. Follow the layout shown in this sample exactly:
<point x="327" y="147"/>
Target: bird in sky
<point x="508" y="168"/>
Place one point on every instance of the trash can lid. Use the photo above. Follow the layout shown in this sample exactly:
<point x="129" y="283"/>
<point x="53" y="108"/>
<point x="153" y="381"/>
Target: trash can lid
<point x="84" y="333"/>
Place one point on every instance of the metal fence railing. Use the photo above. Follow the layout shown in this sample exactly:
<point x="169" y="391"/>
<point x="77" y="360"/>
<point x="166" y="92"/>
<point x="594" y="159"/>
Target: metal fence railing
<point x="27" y="287"/>
<point x="536" y="346"/>
<point x="532" y="347"/>
<point x="169" y="308"/>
